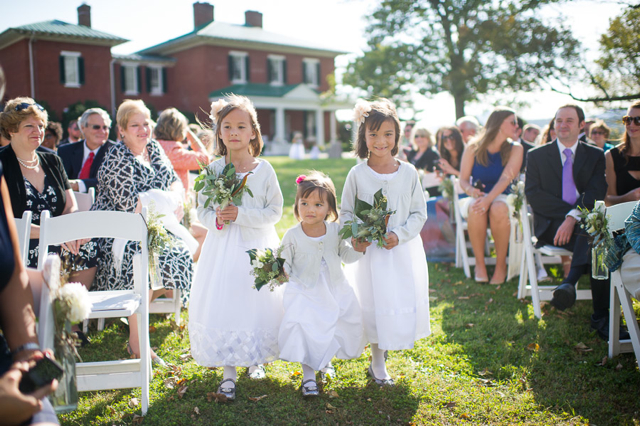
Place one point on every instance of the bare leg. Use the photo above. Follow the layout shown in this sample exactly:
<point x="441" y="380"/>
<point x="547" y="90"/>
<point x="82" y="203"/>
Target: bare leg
<point x="477" y="224"/>
<point x="85" y="277"/>
<point x="199" y="232"/>
<point x="500" y="229"/>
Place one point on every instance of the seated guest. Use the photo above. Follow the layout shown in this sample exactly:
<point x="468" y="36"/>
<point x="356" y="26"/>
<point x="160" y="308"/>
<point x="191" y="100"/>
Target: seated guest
<point x="626" y="255"/>
<point x="73" y="132"/>
<point x="548" y="133"/>
<point x="132" y="170"/>
<point x="82" y="159"/>
<point x="451" y="147"/>
<point x="562" y="176"/>
<point x="530" y="133"/>
<point x="599" y="133"/>
<point x="425" y="158"/>
<point x="623" y="161"/>
<point x="468" y="126"/>
<point x="52" y="136"/>
<point x="489" y="165"/>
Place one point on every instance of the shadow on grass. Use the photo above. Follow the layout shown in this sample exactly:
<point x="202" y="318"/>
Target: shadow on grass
<point x="509" y="349"/>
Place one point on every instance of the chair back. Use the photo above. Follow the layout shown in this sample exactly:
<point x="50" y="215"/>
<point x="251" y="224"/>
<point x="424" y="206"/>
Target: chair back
<point x="85" y="199"/>
<point x="618" y="213"/>
<point x="527" y="226"/>
<point x="24" y="233"/>
<point x="46" y="324"/>
<point x="456" y="201"/>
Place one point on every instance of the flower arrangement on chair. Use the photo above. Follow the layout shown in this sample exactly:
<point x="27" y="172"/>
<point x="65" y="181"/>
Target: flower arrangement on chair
<point x="596" y="224"/>
<point x="515" y="201"/>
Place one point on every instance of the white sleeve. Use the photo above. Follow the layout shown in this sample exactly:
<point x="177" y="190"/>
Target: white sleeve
<point x="270" y="214"/>
<point x="417" y="213"/>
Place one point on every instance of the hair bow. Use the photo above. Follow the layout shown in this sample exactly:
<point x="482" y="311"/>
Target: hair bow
<point x="361" y="111"/>
<point x="216" y="107"/>
<point x="300" y="178"/>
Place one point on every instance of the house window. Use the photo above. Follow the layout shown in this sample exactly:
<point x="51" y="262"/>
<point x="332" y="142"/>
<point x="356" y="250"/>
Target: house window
<point x="130" y="79"/>
<point x="277" y="70"/>
<point x="71" y="69"/>
<point x="238" y="67"/>
<point x="311" y="72"/>
<point x="155" y="80"/>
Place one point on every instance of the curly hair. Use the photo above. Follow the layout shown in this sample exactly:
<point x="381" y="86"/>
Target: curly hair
<point x="13" y="115"/>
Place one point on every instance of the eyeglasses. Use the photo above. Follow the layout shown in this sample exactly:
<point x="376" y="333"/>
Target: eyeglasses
<point x="597" y="132"/>
<point x="98" y="127"/>
<point x="24" y="105"/>
<point x="627" y="119"/>
<point x="447" y="137"/>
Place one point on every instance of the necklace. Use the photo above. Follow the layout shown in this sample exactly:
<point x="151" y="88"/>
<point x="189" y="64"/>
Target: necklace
<point x="24" y="164"/>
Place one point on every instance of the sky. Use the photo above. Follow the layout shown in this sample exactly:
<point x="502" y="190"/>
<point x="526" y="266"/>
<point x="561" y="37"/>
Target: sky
<point x="339" y="24"/>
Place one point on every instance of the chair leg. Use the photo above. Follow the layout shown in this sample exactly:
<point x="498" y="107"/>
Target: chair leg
<point x="522" y="282"/>
<point x="100" y="324"/>
<point x="177" y="304"/>
<point x="533" y="281"/>
<point x="85" y="326"/>
<point x="632" y="322"/>
<point x="145" y="360"/>
<point x="614" y="316"/>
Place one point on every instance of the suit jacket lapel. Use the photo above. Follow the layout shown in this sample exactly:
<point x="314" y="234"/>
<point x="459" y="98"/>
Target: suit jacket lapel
<point x="555" y="162"/>
<point x="76" y="161"/>
<point x="578" y="163"/>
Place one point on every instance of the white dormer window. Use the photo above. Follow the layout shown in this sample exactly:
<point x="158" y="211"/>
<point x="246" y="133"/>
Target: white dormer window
<point x="311" y="71"/>
<point x="155" y="79"/>
<point x="130" y="79"/>
<point x="71" y="72"/>
<point x="238" y="67"/>
<point x="277" y="70"/>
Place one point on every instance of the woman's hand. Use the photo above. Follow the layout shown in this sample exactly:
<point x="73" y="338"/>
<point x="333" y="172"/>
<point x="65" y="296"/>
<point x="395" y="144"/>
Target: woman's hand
<point x="481" y="205"/>
<point x="229" y="213"/>
<point x="360" y="246"/>
<point x="74" y="246"/>
<point x="447" y="168"/>
<point x="391" y="239"/>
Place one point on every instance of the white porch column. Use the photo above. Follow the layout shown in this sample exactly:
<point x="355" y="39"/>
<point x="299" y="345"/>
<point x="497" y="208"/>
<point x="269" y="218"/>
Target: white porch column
<point x="333" y="125"/>
<point x="279" y="137"/>
<point x="319" y="127"/>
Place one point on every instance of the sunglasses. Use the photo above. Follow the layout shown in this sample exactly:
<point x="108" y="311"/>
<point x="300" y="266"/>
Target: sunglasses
<point x="597" y="133"/>
<point x="627" y="119"/>
<point x="447" y="138"/>
<point x="98" y="127"/>
<point x="24" y="105"/>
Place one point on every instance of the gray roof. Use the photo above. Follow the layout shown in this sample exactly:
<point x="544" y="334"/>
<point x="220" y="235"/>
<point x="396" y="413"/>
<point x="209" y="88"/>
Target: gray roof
<point x="134" y="57"/>
<point x="227" y="34"/>
<point x="60" y="29"/>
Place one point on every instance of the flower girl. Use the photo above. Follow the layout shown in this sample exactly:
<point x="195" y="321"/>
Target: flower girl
<point x="230" y="323"/>
<point x="322" y="317"/>
<point x="391" y="282"/>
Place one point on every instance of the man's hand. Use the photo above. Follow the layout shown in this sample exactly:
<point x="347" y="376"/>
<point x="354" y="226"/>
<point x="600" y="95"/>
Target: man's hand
<point x="74" y="184"/>
<point x="565" y="231"/>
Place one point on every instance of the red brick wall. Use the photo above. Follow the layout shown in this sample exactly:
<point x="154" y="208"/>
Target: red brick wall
<point x="14" y="60"/>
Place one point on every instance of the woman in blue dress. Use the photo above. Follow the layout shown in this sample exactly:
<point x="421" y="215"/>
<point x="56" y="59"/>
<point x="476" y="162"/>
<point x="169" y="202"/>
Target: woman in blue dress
<point x="489" y="165"/>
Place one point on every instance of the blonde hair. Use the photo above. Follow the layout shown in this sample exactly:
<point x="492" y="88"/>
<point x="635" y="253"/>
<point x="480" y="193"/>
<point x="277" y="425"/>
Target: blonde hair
<point x="421" y="131"/>
<point x="490" y="132"/>
<point x="243" y="103"/>
<point x="128" y="108"/>
<point x="10" y="119"/>
<point x="381" y="111"/>
<point x="171" y="125"/>
<point x="317" y="181"/>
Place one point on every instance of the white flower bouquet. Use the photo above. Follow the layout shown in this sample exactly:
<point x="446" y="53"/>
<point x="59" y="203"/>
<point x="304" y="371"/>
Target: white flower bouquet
<point x="268" y="268"/>
<point x="596" y="223"/>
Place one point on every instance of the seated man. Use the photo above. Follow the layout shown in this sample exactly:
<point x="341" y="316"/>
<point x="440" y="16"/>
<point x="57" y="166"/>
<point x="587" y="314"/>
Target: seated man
<point x="82" y="159"/>
<point x="561" y="176"/>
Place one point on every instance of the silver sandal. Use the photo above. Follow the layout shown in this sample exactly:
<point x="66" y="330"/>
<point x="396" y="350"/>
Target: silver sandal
<point x="310" y="388"/>
<point x="258" y="373"/>
<point x="380" y="382"/>
<point x="328" y="373"/>
<point x="229" y="392"/>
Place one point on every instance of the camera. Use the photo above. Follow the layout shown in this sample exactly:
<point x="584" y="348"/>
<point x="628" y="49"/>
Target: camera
<point x="478" y="184"/>
<point x="435" y="166"/>
<point x="40" y="375"/>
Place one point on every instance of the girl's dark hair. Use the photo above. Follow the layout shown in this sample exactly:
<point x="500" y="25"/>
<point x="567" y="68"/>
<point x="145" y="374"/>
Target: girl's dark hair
<point x="626" y="140"/>
<point x="243" y="103"/>
<point x="458" y="146"/>
<point x="317" y="181"/>
<point x="381" y="111"/>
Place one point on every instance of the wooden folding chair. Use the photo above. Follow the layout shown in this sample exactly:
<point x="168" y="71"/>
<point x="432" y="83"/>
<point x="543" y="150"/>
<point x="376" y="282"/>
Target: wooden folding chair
<point x="546" y="254"/>
<point x="85" y="199"/>
<point x="463" y="259"/>
<point x="621" y="294"/>
<point x="24" y="233"/>
<point x="110" y="304"/>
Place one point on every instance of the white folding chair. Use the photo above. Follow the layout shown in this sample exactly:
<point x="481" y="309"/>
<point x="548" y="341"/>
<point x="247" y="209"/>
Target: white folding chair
<point x="24" y="233"/>
<point x="110" y="304"/>
<point x="168" y="305"/>
<point x="620" y="294"/>
<point x="463" y="259"/>
<point x="85" y="199"/>
<point x="547" y="254"/>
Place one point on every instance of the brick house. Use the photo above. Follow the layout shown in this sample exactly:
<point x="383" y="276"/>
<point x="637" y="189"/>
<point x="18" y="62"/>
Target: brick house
<point x="282" y="76"/>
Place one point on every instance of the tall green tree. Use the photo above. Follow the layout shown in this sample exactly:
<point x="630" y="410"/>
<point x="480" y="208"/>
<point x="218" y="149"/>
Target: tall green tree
<point x="465" y="47"/>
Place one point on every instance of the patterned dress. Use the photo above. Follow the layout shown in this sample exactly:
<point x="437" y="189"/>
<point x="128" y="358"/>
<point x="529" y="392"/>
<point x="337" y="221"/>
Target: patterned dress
<point x="120" y="179"/>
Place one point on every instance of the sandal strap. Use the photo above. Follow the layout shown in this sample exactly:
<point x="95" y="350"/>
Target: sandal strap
<point x="227" y="389"/>
<point x="310" y="387"/>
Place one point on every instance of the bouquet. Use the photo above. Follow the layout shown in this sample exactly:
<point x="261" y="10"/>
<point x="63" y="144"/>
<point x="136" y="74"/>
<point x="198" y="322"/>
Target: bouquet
<point x="268" y="268"/>
<point x="446" y="188"/>
<point x="596" y="223"/>
<point x="223" y="188"/>
<point x="157" y="241"/>
<point x="515" y="200"/>
<point x="370" y="222"/>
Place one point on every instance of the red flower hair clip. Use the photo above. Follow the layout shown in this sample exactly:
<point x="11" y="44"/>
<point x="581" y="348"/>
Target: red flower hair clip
<point x="300" y="178"/>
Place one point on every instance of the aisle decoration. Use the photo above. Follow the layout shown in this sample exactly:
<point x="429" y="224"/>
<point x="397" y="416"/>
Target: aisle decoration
<point x="515" y="201"/>
<point x="157" y="242"/>
<point x="596" y="223"/>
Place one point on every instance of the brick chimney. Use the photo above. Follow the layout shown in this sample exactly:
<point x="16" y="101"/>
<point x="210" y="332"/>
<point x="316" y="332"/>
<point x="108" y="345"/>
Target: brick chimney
<point x="202" y="14"/>
<point x="84" y="15"/>
<point x="253" y="18"/>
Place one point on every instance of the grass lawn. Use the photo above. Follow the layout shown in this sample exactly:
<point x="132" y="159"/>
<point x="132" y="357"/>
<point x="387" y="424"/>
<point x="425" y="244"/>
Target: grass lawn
<point x="487" y="361"/>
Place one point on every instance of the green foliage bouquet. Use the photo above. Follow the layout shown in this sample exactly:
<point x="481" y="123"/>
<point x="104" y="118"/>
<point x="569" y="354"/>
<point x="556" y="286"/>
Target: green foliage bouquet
<point x="157" y="241"/>
<point x="222" y="189"/>
<point x="370" y="221"/>
<point x="268" y="268"/>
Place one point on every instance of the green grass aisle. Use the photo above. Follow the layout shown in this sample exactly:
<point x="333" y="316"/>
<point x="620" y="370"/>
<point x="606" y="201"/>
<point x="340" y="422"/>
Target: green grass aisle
<point x="488" y="361"/>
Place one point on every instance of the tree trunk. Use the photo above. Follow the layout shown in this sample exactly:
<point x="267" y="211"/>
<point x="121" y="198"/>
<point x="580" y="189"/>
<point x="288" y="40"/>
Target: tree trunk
<point x="459" y="100"/>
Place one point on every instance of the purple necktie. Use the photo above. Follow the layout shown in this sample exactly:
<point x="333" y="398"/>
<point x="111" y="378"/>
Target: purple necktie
<point x="568" y="185"/>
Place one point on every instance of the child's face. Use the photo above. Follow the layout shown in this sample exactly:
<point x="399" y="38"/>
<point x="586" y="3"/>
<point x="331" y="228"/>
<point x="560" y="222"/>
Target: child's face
<point x="236" y="131"/>
<point x="313" y="209"/>
<point x="380" y="142"/>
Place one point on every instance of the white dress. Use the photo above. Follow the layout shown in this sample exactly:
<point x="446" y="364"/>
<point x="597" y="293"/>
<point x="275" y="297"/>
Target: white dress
<point x="320" y="321"/>
<point x="230" y="322"/>
<point x="392" y="285"/>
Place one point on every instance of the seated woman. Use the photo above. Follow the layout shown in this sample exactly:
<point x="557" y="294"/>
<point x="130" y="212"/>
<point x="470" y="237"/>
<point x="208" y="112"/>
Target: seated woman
<point x="489" y="165"/>
<point x="52" y="136"/>
<point x="548" y="133"/>
<point x="599" y="133"/>
<point x="425" y="158"/>
<point x="133" y="167"/>
<point x="623" y="162"/>
<point x="451" y="148"/>
<point x="37" y="181"/>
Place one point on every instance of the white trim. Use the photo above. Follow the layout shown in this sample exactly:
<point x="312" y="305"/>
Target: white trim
<point x="67" y="53"/>
<point x="238" y="53"/>
<point x="276" y="57"/>
<point x="281" y="61"/>
<point x="136" y="83"/>
<point x="243" y="69"/>
<point x="156" y="91"/>
<point x="74" y="56"/>
<point x="312" y="63"/>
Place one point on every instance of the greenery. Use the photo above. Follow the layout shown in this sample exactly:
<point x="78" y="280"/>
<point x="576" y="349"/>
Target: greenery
<point x="487" y="361"/>
<point x="467" y="48"/>
<point x="369" y="222"/>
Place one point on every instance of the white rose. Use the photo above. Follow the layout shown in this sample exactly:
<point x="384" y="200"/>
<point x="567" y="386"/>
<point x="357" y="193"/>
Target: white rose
<point x="521" y="186"/>
<point x="511" y="200"/>
<point x="76" y="297"/>
<point x="591" y="230"/>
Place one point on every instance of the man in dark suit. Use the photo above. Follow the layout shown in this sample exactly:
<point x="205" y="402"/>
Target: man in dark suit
<point x="82" y="159"/>
<point x="561" y="176"/>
